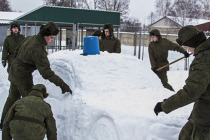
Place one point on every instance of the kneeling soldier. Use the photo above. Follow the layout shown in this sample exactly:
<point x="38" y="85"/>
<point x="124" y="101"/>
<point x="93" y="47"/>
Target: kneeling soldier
<point x="30" y="118"/>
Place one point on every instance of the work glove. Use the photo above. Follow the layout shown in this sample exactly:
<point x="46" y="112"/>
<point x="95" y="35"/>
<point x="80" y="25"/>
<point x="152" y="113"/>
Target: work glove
<point x="65" y="88"/>
<point x="158" y="108"/>
<point x="4" y="63"/>
<point x="154" y="69"/>
<point x="186" y="54"/>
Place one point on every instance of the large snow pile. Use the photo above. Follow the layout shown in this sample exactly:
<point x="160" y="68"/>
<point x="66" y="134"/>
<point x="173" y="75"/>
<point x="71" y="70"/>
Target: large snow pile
<point x="113" y="98"/>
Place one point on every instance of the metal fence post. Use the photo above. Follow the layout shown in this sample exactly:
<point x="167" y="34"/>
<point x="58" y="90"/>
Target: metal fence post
<point x="139" y="54"/>
<point x="60" y="38"/>
<point x="77" y="33"/>
<point x="118" y="33"/>
<point x="135" y="43"/>
<point x="185" y="64"/>
<point x="79" y="43"/>
<point x="35" y="28"/>
<point x="26" y="30"/>
<point x="74" y="34"/>
<point x="143" y="44"/>
<point x="82" y="39"/>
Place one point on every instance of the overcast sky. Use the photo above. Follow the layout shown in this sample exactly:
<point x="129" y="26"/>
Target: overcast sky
<point x="138" y="8"/>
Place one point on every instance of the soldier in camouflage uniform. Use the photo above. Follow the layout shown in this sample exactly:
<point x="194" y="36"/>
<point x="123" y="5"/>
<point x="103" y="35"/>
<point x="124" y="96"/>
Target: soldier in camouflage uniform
<point x="109" y="42"/>
<point x="30" y="118"/>
<point x="32" y="56"/>
<point x="196" y="89"/>
<point x="158" y="54"/>
<point x="10" y="44"/>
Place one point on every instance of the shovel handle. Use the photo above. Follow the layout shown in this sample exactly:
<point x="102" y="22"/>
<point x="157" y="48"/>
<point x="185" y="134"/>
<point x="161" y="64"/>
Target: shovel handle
<point x="171" y="63"/>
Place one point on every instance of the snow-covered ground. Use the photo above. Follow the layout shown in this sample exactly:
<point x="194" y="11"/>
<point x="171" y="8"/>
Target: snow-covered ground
<point x="113" y="97"/>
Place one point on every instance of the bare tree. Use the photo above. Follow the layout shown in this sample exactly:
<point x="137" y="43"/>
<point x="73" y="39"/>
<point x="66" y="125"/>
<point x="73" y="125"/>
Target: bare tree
<point x="121" y="6"/>
<point x="152" y="17"/>
<point x="96" y="3"/>
<point x="183" y="11"/>
<point x="132" y="24"/>
<point x="50" y="2"/>
<point x="90" y="4"/>
<point x="5" y="6"/>
<point x="206" y="8"/>
<point x="64" y="3"/>
<point x="162" y="7"/>
<point x="67" y="3"/>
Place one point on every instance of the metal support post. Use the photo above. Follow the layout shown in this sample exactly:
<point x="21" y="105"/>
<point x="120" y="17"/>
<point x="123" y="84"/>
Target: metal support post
<point x="134" y="43"/>
<point x="139" y="54"/>
<point x="74" y="36"/>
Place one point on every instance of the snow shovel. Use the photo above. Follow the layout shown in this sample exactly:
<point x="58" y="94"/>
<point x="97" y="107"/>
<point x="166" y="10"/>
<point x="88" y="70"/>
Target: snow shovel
<point x="171" y="63"/>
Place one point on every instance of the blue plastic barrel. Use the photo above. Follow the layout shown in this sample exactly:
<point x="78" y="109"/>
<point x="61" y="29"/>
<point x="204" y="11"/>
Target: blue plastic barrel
<point x="91" y="45"/>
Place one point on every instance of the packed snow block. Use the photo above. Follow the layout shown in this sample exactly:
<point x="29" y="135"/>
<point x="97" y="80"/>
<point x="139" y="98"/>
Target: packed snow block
<point x="91" y="45"/>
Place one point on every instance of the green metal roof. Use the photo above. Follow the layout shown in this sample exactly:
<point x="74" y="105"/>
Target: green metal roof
<point x="72" y="15"/>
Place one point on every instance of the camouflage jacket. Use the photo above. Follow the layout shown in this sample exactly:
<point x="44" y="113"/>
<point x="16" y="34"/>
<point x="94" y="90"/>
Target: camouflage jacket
<point x="10" y="44"/>
<point x="31" y="56"/>
<point x="110" y="44"/>
<point x="196" y="89"/>
<point x="18" y="126"/>
<point x="158" y="52"/>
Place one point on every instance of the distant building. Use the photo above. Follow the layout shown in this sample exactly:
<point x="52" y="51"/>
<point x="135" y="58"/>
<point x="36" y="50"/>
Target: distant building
<point x="204" y="27"/>
<point x="171" y="25"/>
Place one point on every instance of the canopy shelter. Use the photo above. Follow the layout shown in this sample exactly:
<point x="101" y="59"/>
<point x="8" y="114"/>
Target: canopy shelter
<point x="70" y="17"/>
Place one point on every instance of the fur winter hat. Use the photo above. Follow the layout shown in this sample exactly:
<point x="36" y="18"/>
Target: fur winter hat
<point x="154" y="32"/>
<point x="49" y="29"/>
<point x="190" y="36"/>
<point x="13" y="25"/>
<point x="42" y="88"/>
<point x="108" y="26"/>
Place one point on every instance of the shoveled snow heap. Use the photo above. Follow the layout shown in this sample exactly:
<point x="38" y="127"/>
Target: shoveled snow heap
<point x="113" y="98"/>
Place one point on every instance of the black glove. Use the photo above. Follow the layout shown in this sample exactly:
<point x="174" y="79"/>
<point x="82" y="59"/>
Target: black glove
<point x="158" y="108"/>
<point x="65" y="88"/>
<point x="186" y="54"/>
<point x="4" y="63"/>
<point x="154" y="69"/>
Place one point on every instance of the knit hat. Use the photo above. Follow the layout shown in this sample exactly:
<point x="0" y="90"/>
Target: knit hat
<point x="190" y="36"/>
<point x="49" y="29"/>
<point x="42" y="88"/>
<point x="13" y="25"/>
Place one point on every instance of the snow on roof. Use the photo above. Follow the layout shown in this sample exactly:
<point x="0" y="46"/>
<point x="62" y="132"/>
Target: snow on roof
<point x="189" y="21"/>
<point x="5" y="17"/>
<point x="179" y="21"/>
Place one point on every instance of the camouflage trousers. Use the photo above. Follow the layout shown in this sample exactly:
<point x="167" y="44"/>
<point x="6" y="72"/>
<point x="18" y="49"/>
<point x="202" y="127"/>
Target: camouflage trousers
<point x="164" y="79"/>
<point x="15" y="93"/>
<point x="190" y="132"/>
